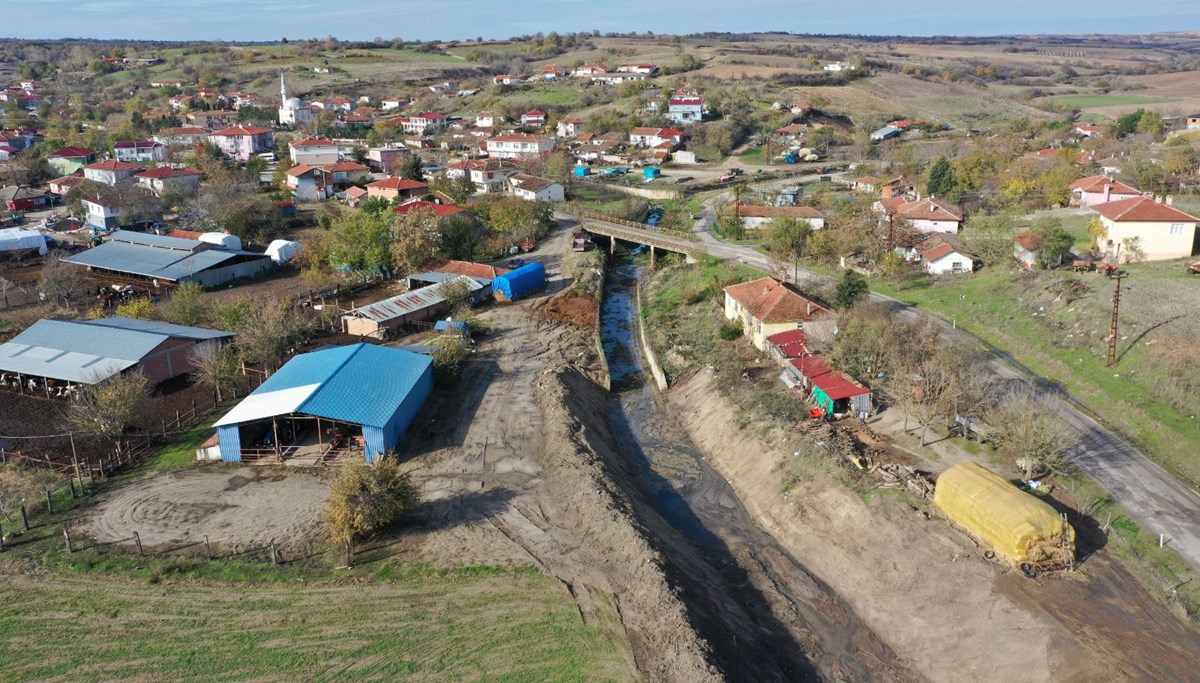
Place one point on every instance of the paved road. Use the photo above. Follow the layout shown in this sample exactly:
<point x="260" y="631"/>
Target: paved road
<point x="1155" y="499"/>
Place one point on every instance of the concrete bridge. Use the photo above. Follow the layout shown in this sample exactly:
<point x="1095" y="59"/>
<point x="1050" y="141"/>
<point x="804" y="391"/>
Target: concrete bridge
<point x="636" y="233"/>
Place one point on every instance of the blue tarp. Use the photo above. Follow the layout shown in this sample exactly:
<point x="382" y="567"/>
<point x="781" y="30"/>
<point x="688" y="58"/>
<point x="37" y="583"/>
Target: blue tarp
<point x="517" y="283"/>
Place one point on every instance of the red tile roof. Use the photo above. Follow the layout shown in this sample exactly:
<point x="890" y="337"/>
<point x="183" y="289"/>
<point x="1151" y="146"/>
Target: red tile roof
<point x="939" y="251"/>
<point x="311" y="142"/>
<point x="1029" y="240"/>
<point x="300" y="169"/>
<point x="397" y="184"/>
<point x="481" y="271"/>
<point x="114" y="165"/>
<point x="71" y="152"/>
<point x="441" y="210"/>
<point x="355" y="192"/>
<point x="773" y="301"/>
<point x="1096" y="184"/>
<point x="343" y="167"/>
<point x="929" y="209"/>
<point x="1142" y="210"/>
<point x="238" y="131"/>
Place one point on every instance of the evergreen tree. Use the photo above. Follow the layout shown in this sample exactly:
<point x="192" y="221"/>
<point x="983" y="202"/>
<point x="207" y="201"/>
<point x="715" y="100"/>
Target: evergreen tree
<point x="412" y="169"/>
<point x="942" y="182"/>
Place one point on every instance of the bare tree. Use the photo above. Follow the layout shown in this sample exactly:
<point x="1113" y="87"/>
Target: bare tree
<point x="1028" y="429"/>
<point x="215" y="365"/>
<point x="60" y="281"/>
<point x="269" y="332"/>
<point x="107" y="408"/>
<point x="415" y="239"/>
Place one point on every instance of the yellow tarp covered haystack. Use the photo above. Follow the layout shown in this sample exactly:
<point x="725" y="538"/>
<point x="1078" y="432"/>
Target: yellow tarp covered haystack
<point x="1015" y="524"/>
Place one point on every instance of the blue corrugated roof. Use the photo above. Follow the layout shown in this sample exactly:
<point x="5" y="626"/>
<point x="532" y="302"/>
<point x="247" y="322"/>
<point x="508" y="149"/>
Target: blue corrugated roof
<point x="150" y="239"/>
<point x="80" y="337"/>
<point x="156" y="327"/>
<point x="361" y="383"/>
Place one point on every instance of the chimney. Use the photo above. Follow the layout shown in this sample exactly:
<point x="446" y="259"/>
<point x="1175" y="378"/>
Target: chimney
<point x="1170" y="200"/>
<point x="809" y="308"/>
<point x="1107" y="191"/>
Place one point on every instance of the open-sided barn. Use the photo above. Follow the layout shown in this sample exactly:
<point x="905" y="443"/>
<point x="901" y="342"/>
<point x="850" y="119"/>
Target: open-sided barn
<point x="68" y="352"/>
<point x="327" y="403"/>
<point x="170" y="260"/>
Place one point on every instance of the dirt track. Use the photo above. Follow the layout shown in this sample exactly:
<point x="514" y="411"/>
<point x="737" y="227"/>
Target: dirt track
<point x="237" y="509"/>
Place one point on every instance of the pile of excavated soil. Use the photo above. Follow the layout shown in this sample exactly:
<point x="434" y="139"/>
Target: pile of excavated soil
<point x="583" y="497"/>
<point x="925" y="588"/>
<point x="572" y="307"/>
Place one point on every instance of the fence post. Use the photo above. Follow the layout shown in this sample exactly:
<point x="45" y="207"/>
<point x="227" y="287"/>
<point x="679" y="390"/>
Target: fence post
<point x="67" y="535"/>
<point x="49" y="502"/>
<point x="72" y="483"/>
<point x="137" y="540"/>
<point x="24" y="517"/>
<point x="274" y="556"/>
<point x="177" y="418"/>
<point x="207" y="548"/>
<point x="164" y="427"/>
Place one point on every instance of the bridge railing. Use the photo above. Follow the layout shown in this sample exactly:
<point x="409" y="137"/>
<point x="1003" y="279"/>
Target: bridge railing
<point x="640" y="227"/>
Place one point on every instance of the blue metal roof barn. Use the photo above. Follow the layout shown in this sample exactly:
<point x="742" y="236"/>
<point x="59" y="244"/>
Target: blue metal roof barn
<point x="517" y="283"/>
<point x="170" y="259"/>
<point x="378" y="388"/>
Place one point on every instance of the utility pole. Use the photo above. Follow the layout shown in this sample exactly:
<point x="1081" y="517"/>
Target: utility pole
<point x="1112" y="333"/>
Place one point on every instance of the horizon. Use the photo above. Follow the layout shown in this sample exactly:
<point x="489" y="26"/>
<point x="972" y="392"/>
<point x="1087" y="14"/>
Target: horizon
<point x="208" y="20"/>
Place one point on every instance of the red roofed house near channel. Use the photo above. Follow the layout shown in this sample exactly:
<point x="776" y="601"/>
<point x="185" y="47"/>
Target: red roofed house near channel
<point x="767" y="306"/>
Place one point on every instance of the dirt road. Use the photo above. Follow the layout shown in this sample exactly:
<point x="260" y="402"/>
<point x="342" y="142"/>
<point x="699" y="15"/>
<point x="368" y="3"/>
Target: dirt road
<point x="1154" y="498"/>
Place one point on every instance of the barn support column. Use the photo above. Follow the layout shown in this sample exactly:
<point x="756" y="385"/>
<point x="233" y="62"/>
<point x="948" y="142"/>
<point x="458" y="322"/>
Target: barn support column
<point x="275" y="432"/>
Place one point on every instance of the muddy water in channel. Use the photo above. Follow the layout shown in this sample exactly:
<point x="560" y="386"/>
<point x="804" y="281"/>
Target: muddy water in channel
<point x="763" y="614"/>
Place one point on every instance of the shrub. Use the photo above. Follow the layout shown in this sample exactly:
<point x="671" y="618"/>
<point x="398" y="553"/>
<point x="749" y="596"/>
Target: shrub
<point x="729" y="330"/>
<point x="365" y="499"/>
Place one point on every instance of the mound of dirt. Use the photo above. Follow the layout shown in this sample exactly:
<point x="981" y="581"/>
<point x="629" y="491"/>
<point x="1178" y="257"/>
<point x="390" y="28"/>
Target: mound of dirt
<point x="594" y="507"/>
<point x="236" y="508"/>
<point x="572" y="307"/>
<point x="925" y="587"/>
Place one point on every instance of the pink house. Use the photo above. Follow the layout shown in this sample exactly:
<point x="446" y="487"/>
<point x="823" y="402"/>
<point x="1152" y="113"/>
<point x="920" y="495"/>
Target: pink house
<point x="242" y="142"/>
<point x="533" y="117"/>
<point x="1101" y="189"/>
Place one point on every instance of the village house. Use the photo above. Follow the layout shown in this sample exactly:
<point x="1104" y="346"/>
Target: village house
<point x="70" y="159"/>
<point x="394" y="188"/>
<point x="490" y="175"/>
<point x="531" y="188"/>
<point x="102" y="215"/>
<point x="417" y="124"/>
<point x="110" y="172"/>
<point x="1193" y="122"/>
<point x="685" y="108"/>
<point x="390" y="103"/>
<point x="21" y="198"/>
<point x="648" y="69"/>
<point x="1162" y="232"/>
<point x="533" y="117"/>
<point x="309" y="183"/>
<point x="618" y="78"/>
<point x="838" y="67"/>
<point x="343" y="174"/>
<point x="570" y="126"/>
<point x="757" y="217"/>
<point x="143" y="151"/>
<point x="61" y="186"/>
<point x="214" y="119"/>
<point x="1100" y="189"/>
<point x="766" y="306"/>
<point x="1025" y="249"/>
<point x="242" y="142"/>
<point x="313" y="151"/>
<point x="589" y="70"/>
<point x="439" y="210"/>
<point x="518" y="146"/>
<point x="488" y="119"/>
<point x="508" y="79"/>
<point x="180" y="102"/>
<point x="940" y="257"/>
<point x="653" y="137"/>
<point x="552" y="72"/>
<point x="1087" y="130"/>
<point x="162" y="178"/>
<point x="924" y="215"/>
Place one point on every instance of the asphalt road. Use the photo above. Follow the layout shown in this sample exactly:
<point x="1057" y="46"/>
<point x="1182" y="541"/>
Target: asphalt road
<point x="1155" y="499"/>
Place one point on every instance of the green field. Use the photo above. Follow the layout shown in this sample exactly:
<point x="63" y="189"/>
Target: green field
<point x="1090" y="101"/>
<point x="456" y="625"/>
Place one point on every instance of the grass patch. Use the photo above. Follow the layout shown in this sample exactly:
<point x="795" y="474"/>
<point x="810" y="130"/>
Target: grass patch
<point x="429" y="625"/>
<point x="1089" y="101"/>
<point x="754" y="155"/>
<point x="182" y="452"/>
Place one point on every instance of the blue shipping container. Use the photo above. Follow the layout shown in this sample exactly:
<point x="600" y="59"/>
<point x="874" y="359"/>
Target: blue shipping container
<point x="517" y="283"/>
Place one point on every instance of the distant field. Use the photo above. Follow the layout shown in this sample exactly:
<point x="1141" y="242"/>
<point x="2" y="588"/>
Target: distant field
<point x="427" y="625"/>
<point x="1091" y="101"/>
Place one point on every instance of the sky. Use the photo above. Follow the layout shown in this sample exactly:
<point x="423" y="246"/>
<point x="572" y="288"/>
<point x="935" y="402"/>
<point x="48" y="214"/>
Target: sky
<point x="269" y="20"/>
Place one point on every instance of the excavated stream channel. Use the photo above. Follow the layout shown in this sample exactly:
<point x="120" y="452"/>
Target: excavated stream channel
<point x="763" y="614"/>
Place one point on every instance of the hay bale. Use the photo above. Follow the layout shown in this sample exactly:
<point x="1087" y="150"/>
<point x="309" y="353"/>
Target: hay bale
<point x="1015" y="524"/>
